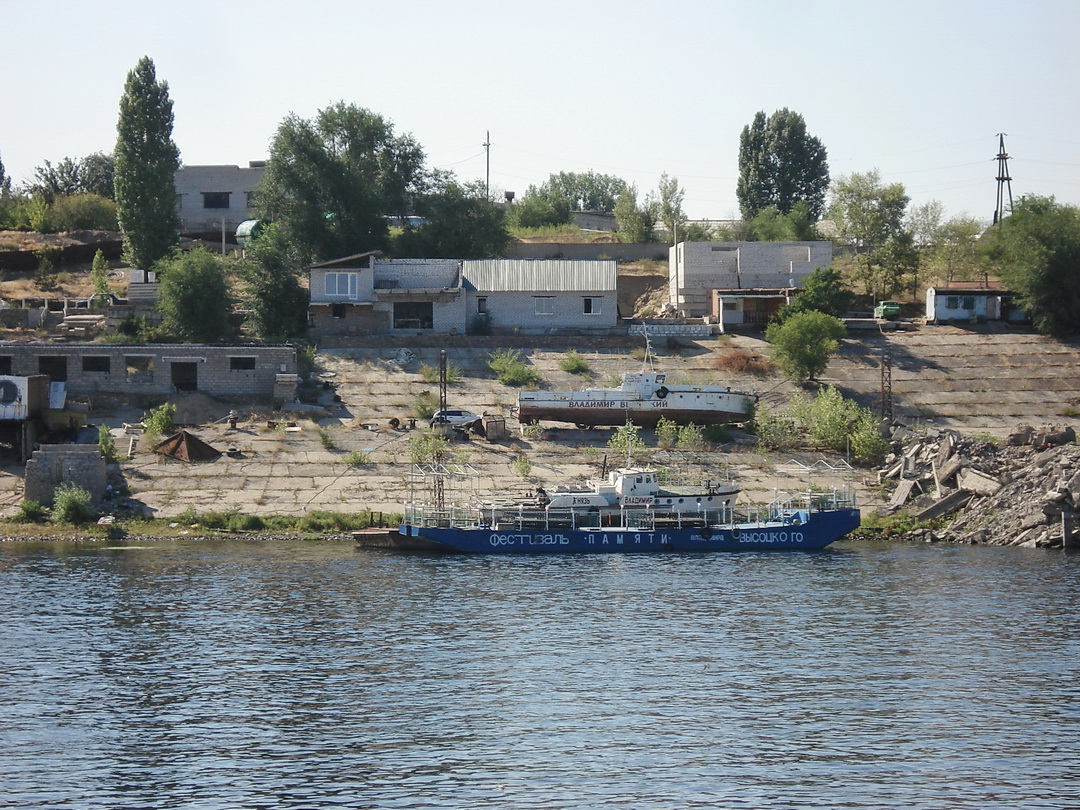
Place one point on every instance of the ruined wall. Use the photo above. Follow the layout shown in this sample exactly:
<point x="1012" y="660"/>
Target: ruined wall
<point x="56" y="464"/>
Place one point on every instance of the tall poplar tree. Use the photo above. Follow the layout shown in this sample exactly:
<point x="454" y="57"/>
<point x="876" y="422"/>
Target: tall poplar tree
<point x="146" y="164"/>
<point x="780" y="165"/>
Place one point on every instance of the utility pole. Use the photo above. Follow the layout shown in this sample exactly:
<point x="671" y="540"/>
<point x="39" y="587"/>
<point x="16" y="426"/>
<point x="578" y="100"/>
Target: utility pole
<point x="886" y="404"/>
<point x="1003" y="180"/>
<point x="487" y="153"/>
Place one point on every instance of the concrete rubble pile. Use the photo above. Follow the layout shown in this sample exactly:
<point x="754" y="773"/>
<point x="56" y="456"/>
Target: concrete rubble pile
<point x="1025" y="493"/>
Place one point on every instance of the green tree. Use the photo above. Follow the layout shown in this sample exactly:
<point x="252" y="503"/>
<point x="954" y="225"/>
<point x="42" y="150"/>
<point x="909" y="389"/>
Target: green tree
<point x="770" y="225"/>
<point x="538" y="209"/>
<point x="55" y="181"/>
<point x="781" y="164"/>
<point x="950" y="251"/>
<point x="277" y="301"/>
<point x="1037" y="254"/>
<point x="867" y="215"/>
<point x="669" y="208"/>
<point x="584" y="191"/>
<point x="635" y="222"/>
<point x="5" y="182"/>
<point x="804" y="342"/>
<point x="82" y="212"/>
<point x="823" y="290"/>
<point x="461" y="223"/>
<point x="332" y="181"/>
<point x="146" y="164"/>
<point x="97" y="173"/>
<point x="194" y="296"/>
<point x="99" y="273"/>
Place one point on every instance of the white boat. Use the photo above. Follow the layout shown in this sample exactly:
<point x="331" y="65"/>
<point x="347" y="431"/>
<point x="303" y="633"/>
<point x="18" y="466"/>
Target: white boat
<point x="643" y="398"/>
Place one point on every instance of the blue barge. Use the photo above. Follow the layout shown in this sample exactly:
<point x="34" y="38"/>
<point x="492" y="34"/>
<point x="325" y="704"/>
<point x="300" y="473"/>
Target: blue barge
<point x="629" y="513"/>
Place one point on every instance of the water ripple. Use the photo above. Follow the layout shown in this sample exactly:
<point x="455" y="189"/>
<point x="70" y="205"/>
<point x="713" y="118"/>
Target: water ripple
<point x="307" y="675"/>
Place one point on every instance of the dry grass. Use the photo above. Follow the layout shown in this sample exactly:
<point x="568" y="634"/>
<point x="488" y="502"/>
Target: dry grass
<point x="741" y="361"/>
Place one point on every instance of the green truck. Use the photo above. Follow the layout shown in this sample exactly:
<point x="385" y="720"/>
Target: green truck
<point x="887" y="310"/>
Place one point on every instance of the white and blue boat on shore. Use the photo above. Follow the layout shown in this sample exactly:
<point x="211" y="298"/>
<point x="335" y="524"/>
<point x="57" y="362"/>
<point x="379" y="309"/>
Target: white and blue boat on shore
<point x="629" y="512"/>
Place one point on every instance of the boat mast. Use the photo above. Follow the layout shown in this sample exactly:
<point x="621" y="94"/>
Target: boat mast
<point x="647" y="362"/>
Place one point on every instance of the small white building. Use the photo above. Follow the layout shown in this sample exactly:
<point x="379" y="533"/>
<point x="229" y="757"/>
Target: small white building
<point x="970" y="301"/>
<point x="696" y="268"/>
<point x="211" y="197"/>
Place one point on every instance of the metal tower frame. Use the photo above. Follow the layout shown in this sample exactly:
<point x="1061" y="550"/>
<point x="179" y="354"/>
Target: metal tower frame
<point x="1003" y="180"/>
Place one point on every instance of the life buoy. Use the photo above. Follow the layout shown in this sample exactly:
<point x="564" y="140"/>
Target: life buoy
<point x="662" y="392"/>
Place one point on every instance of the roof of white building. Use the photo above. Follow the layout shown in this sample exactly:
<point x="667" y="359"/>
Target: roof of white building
<point x="540" y="275"/>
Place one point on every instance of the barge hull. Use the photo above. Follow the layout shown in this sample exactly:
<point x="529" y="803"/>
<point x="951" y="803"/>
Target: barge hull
<point x="809" y="533"/>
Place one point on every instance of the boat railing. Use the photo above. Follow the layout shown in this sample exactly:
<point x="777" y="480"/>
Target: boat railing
<point x="521" y="516"/>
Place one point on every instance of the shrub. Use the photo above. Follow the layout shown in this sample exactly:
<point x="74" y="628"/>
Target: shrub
<point x="804" y="342"/>
<point x="827" y="421"/>
<point x="425" y="404"/>
<point x="626" y="442"/>
<point x="159" y="422"/>
<point x="574" y="363"/>
<point x="326" y="440"/>
<point x="72" y="504"/>
<point x="31" y="512"/>
<point x="532" y="431"/>
<point x="521" y="465"/>
<point x="667" y="433"/>
<point x="430" y="374"/>
<point x="305" y="359"/>
<point x="108" y="445"/>
<point x="99" y="273"/>
<point x="510" y="369"/>
<point x="425" y="446"/>
<point x="356" y="458"/>
<point x="691" y="437"/>
<point x="741" y="361"/>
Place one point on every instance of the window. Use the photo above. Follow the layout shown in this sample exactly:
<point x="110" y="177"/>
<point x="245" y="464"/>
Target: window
<point x="591" y="306"/>
<point x="241" y="364"/>
<point x="249" y="197"/>
<point x="414" y="315"/>
<point x="952" y="302"/>
<point x="96" y="363"/>
<point x="5" y="364"/>
<point x="139" y="368"/>
<point x="53" y="365"/>
<point x="215" y="199"/>
<point x="338" y="310"/>
<point x="969" y="302"/>
<point x="730" y="306"/>
<point x="481" y="306"/>
<point x="341" y="284"/>
<point x="543" y="304"/>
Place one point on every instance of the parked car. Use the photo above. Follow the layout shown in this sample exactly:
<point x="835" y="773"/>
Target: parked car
<point x="454" y="418"/>
<point x="887" y="310"/>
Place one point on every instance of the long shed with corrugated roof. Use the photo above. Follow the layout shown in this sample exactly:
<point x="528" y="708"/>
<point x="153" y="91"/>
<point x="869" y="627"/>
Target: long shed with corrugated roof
<point x="541" y="295"/>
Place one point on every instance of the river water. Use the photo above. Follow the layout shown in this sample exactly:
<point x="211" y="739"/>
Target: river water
<point x="312" y="675"/>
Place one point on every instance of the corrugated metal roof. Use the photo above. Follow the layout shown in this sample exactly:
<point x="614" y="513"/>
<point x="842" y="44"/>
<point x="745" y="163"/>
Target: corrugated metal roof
<point x="540" y="275"/>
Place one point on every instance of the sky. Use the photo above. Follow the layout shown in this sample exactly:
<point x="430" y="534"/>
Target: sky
<point x="917" y="90"/>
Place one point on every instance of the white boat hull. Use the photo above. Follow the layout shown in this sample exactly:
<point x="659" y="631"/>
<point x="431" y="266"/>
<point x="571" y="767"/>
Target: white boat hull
<point x="645" y="413"/>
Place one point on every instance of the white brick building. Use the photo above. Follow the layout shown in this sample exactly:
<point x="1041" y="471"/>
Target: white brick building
<point x="207" y="195"/>
<point x="696" y="268"/>
<point x="542" y="295"/>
